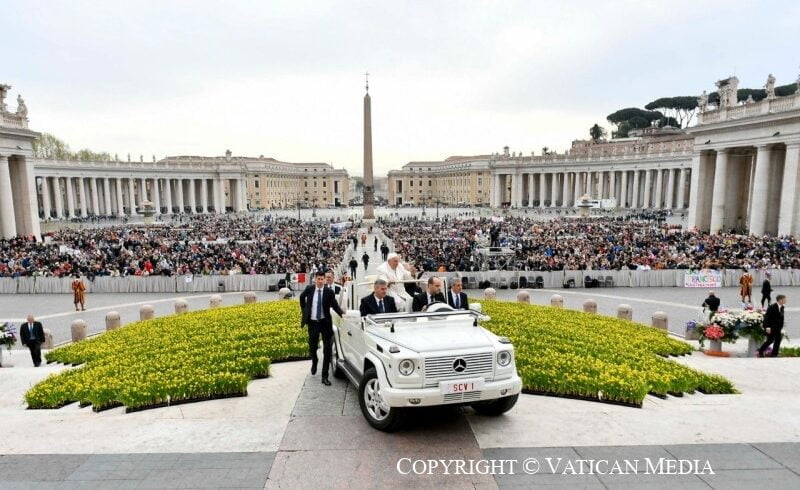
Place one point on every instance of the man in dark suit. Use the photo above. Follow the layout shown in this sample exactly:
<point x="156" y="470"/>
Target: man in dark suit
<point x="431" y="295"/>
<point x="456" y="298"/>
<point x="31" y="334"/>
<point x="331" y="284"/>
<point x="712" y="303"/>
<point x="379" y="301"/>
<point x="773" y="324"/>
<point x="316" y="301"/>
<point x="766" y="290"/>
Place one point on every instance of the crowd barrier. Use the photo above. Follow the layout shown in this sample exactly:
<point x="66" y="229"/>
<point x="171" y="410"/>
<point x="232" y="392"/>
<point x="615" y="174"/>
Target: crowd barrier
<point x="632" y="279"/>
<point x="497" y="279"/>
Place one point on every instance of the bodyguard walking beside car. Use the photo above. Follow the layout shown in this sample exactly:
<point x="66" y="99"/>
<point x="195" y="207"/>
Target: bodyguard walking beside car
<point x="31" y="334"/>
<point x="316" y="301"/>
<point x="773" y="324"/>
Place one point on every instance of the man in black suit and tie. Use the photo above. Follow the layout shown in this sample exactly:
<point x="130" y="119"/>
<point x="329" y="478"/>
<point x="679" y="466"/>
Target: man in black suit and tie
<point x="773" y="324"/>
<point x="316" y="301"/>
<point x="31" y="334"/>
<point x="379" y="301"/>
<point x="456" y="298"/>
<point x="330" y="284"/>
<point x="431" y="295"/>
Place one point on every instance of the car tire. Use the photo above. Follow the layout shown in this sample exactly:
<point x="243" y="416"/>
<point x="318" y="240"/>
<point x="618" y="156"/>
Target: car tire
<point x="497" y="407"/>
<point x="337" y="371"/>
<point x="383" y="418"/>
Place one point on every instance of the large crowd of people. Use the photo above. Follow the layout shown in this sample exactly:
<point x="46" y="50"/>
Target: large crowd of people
<point x="210" y="245"/>
<point x="640" y="241"/>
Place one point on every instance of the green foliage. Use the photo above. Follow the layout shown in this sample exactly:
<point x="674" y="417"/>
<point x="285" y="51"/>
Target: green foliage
<point x="597" y="132"/>
<point x="49" y="146"/>
<point x="680" y="109"/>
<point x="631" y="118"/>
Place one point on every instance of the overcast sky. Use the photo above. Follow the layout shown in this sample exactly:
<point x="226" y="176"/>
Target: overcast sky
<point x="286" y="79"/>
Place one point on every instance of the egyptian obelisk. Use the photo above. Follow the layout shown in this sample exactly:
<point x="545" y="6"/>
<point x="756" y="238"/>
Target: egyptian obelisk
<point x="369" y="211"/>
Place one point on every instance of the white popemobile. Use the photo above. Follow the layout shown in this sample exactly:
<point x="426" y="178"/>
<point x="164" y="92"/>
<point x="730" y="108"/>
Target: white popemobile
<point x="399" y="361"/>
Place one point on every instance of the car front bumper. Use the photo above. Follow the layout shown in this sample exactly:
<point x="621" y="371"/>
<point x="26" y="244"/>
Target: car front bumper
<point x="402" y="397"/>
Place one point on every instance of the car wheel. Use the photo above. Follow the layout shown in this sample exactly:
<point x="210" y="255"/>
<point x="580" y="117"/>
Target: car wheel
<point x="378" y="414"/>
<point x="496" y="407"/>
<point x="335" y="369"/>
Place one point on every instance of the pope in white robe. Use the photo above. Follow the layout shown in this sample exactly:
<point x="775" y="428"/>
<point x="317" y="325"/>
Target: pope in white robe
<point x="393" y="272"/>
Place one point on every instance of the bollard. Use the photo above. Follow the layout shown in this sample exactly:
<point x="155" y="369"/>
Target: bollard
<point x="490" y="293"/>
<point x="556" y="301"/>
<point x="249" y="297"/>
<point x="48" y="339"/>
<point x="523" y="297"/>
<point x="590" y="306"/>
<point x="78" y="330"/>
<point x="146" y="312"/>
<point x="112" y="320"/>
<point x="215" y="301"/>
<point x="284" y="293"/>
<point x="659" y="321"/>
<point x="625" y="312"/>
<point x="181" y="306"/>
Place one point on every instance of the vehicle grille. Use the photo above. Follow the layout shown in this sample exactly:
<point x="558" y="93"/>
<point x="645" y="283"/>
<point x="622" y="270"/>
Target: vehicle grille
<point x="467" y="396"/>
<point x="441" y="368"/>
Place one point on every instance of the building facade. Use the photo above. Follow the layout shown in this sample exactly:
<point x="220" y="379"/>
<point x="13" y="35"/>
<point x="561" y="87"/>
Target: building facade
<point x="272" y="184"/>
<point x="649" y="171"/>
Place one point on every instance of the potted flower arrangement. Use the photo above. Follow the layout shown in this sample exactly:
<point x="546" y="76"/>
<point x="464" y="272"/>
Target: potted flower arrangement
<point x="8" y="337"/>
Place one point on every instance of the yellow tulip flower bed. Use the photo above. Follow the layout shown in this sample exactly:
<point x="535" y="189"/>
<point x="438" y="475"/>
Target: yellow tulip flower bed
<point x="575" y="354"/>
<point x="214" y="353"/>
<point x="168" y="360"/>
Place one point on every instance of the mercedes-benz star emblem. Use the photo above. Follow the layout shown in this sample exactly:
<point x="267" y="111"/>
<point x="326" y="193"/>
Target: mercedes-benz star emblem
<point x="459" y="365"/>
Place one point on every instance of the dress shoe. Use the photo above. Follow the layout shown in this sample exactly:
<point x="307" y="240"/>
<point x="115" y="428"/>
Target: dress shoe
<point x="313" y="369"/>
<point x="326" y="382"/>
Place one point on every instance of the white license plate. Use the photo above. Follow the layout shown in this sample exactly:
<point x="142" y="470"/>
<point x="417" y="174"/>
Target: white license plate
<point x="461" y="386"/>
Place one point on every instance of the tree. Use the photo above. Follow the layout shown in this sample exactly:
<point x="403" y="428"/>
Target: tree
<point x="49" y="146"/>
<point x="631" y="118"/>
<point x="597" y="132"/>
<point x="681" y="108"/>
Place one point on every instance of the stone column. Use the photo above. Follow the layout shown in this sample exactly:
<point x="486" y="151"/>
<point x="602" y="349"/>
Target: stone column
<point x="530" y="190"/>
<point x="204" y="196"/>
<point x="635" y="193"/>
<point x="8" y="224"/>
<point x="219" y="195"/>
<point x="132" y="198"/>
<point x="237" y="198"/>
<point x="46" y="208"/>
<point x="657" y="192"/>
<point x="120" y="203"/>
<point x="565" y="190"/>
<point x="542" y="189"/>
<point x="59" y="199"/>
<point x="107" y="197"/>
<point x="553" y="189"/>
<point x="648" y="183"/>
<point x="515" y="190"/>
<point x="577" y="185"/>
<point x="669" y="204"/>
<point x="623" y="195"/>
<point x="168" y="195"/>
<point x="720" y="191"/>
<point x="786" y="213"/>
<point x="760" y="190"/>
<point x="193" y="196"/>
<point x="82" y="195"/>
<point x="179" y="196"/>
<point x="681" y="204"/>
<point x="696" y="198"/>
<point x="157" y="195"/>
<point x="95" y="196"/>
<point x="70" y="197"/>
<point x="612" y="185"/>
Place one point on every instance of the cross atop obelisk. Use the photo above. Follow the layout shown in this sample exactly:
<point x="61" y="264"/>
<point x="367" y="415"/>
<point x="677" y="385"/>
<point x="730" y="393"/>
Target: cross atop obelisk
<point x="369" y="211"/>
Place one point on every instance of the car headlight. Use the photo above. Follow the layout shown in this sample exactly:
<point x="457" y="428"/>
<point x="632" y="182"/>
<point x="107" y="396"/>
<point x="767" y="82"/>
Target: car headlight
<point x="504" y="358"/>
<point x="406" y="367"/>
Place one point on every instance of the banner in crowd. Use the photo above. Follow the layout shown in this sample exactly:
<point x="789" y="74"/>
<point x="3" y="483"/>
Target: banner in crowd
<point x="702" y="279"/>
